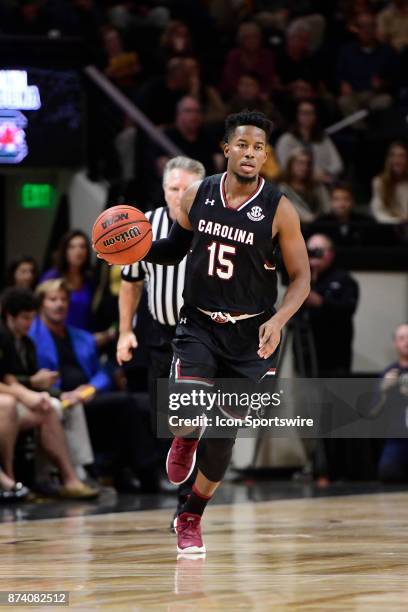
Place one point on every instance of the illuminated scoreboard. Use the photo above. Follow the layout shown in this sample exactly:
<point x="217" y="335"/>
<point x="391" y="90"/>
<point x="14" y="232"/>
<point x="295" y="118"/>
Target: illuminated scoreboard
<point x="41" y="121"/>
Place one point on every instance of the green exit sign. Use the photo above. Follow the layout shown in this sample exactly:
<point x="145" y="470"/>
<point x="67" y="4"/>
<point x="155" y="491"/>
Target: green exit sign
<point x="37" y="195"/>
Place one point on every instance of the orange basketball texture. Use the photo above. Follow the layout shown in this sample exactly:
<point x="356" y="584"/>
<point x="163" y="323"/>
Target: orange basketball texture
<point x="122" y="235"/>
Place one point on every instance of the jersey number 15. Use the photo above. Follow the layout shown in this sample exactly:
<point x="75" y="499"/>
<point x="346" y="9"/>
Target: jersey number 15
<point x="219" y="263"/>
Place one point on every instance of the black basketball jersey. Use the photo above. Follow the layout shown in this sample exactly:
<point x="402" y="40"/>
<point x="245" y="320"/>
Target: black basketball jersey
<point x="230" y="266"/>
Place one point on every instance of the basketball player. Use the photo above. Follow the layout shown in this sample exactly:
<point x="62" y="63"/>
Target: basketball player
<point x="228" y="327"/>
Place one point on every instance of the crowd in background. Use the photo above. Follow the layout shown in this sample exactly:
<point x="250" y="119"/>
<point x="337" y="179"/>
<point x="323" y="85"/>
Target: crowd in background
<point x="187" y="64"/>
<point x="307" y="65"/>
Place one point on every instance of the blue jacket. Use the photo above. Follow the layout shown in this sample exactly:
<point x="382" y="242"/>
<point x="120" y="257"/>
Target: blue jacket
<point x="84" y="347"/>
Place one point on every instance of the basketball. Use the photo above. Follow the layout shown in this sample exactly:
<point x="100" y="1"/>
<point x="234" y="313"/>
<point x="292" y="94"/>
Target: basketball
<point x="122" y="235"/>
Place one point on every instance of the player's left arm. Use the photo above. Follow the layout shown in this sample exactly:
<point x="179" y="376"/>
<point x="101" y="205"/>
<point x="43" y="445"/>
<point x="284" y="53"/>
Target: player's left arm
<point x="286" y="225"/>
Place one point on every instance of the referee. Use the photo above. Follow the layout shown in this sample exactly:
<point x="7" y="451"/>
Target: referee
<point x="165" y="284"/>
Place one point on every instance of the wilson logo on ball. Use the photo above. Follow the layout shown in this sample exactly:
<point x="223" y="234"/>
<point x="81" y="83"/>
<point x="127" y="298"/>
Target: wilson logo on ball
<point x="124" y="237"/>
<point x="111" y="220"/>
<point x="121" y="235"/>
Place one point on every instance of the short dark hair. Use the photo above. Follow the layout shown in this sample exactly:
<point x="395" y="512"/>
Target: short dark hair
<point x="16" y="300"/>
<point x="247" y="117"/>
<point x="342" y="186"/>
<point x="16" y="263"/>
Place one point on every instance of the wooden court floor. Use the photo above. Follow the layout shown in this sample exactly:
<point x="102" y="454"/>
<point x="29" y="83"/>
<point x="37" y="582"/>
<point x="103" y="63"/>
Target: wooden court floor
<point x="342" y="553"/>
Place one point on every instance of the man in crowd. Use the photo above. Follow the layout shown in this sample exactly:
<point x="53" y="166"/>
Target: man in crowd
<point x="19" y="307"/>
<point x="330" y="307"/>
<point x="328" y="311"/>
<point x="191" y="137"/>
<point x="33" y="409"/>
<point x="367" y="70"/>
<point x="114" y="421"/>
<point x="342" y="224"/>
<point x="393" y="466"/>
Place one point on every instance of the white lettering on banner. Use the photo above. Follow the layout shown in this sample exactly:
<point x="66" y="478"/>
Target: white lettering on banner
<point x="16" y="93"/>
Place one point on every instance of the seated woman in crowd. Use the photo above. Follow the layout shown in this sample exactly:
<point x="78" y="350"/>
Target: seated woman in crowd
<point x="73" y="264"/>
<point x="122" y="67"/>
<point x="307" y="132"/>
<point x="389" y="202"/>
<point x="249" y="55"/>
<point x="209" y="98"/>
<point x="22" y="272"/>
<point x="309" y="196"/>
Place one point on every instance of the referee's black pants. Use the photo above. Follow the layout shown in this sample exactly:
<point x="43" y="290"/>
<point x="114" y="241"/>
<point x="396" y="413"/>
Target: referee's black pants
<point x="160" y="355"/>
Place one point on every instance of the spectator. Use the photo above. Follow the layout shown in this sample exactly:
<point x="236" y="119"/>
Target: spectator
<point x="249" y="56"/>
<point x="328" y="311"/>
<point x="209" y="98"/>
<point x="248" y="94"/>
<point x="393" y="465"/>
<point x="342" y="224"/>
<point x="22" y="272"/>
<point x="192" y="138"/>
<point x="34" y="410"/>
<point x="73" y="264"/>
<point x="309" y="197"/>
<point x="330" y="307"/>
<point x="389" y="202"/>
<point x="392" y="23"/>
<point x="122" y="66"/>
<point x="304" y="91"/>
<point x="114" y="421"/>
<point x="19" y="308"/>
<point x="158" y="97"/>
<point x="366" y="70"/>
<point x="307" y="132"/>
<point x="10" y="490"/>
<point x="296" y="62"/>
<point x="175" y="42"/>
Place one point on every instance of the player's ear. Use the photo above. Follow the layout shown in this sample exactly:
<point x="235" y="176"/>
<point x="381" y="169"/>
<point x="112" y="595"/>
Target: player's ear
<point x="267" y="150"/>
<point x="226" y="149"/>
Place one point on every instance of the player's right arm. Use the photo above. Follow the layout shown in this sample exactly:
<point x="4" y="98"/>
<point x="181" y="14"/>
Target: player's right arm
<point x="129" y="300"/>
<point x="171" y="250"/>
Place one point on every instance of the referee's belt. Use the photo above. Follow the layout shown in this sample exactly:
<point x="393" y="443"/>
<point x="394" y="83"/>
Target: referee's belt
<point x="228" y="317"/>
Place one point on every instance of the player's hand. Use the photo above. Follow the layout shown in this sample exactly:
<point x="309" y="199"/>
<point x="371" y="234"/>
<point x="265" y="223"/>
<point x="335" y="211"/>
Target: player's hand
<point x="390" y="379"/>
<point x="43" y="379"/>
<point x="127" y="343"/>
<point x="269" y="337"/>
<point x="103" y="259"/>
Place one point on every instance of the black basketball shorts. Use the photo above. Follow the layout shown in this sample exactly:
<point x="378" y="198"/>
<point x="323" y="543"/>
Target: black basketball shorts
<point x="205" y="351"/>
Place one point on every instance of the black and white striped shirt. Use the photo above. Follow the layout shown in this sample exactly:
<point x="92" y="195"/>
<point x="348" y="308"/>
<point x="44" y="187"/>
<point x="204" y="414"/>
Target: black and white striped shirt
<point x="164" y="283"/>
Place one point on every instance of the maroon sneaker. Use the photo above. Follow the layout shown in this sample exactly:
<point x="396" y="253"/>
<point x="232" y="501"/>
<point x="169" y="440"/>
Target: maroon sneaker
<point x="181" y="460"/>
<point x="188" y="529"/>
